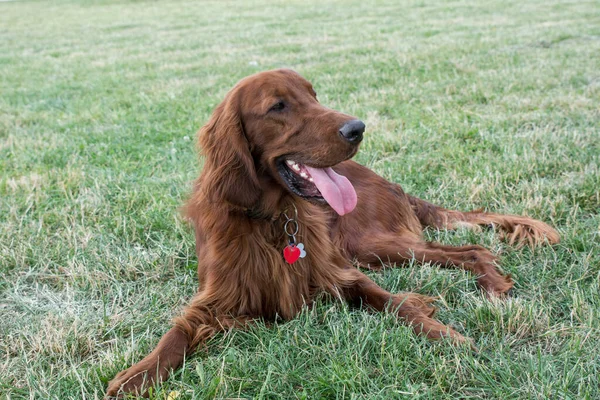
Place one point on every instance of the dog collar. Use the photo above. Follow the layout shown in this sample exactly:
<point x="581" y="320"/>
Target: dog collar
<point x="254" y="213"/>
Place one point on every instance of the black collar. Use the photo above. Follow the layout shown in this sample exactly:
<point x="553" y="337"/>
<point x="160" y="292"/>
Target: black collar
<point x="254" y="213"/>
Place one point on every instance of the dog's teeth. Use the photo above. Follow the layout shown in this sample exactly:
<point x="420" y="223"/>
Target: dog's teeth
<point x="290" y="162"/>
<point x="296" y="167"/>
<point x="311" y="179"/>
<point x="304" y="175"/>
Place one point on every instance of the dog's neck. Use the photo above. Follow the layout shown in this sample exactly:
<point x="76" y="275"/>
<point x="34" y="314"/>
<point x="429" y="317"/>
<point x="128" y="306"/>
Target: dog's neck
<point x="271" y="205"/>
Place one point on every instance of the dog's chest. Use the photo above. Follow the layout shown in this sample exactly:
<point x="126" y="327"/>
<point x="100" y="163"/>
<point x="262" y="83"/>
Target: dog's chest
<point x="294" y="281"/>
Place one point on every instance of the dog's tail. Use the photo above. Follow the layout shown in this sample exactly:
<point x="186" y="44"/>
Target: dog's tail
<point x="514" y="229"/>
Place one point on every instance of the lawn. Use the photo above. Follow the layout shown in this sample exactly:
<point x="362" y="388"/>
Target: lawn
<point x="468" y="104"/>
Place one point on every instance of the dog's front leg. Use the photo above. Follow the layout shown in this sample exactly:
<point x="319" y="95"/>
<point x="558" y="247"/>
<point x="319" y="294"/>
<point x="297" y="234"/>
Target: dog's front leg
<point x="198" y="323"/>
<point x="414" y="309"/>
<point x="155" y="367"/>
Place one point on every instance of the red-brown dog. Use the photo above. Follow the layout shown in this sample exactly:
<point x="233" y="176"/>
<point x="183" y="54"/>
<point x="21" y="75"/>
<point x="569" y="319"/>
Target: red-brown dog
<point x="277" y="173"/>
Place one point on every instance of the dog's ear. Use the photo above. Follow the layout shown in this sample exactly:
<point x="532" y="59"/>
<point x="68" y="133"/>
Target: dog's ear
<point x="229" y="172"/>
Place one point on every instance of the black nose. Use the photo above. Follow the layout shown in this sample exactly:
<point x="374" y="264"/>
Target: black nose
<point x="353" y="131"/>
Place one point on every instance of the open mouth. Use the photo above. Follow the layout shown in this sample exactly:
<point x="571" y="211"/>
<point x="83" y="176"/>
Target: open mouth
<point x="319" y="184"/>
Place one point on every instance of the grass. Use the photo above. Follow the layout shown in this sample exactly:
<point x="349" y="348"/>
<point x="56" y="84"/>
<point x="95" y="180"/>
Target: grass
<point x="467" y="104"/>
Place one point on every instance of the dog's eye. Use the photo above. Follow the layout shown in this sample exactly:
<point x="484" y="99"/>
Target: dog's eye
<point x="280" y="105"/>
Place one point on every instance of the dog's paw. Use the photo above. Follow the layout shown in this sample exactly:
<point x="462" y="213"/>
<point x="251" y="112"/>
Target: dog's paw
<point x="422" y="302"/>
<point x="134" y="381"/>
<point x="496" y="286"/>
<point x="460" y="340"/>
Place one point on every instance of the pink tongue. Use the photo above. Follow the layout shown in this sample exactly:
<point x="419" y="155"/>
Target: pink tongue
<point x="336" y="189"/>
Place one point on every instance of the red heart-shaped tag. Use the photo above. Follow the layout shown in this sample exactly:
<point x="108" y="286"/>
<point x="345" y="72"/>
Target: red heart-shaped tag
<point x="291" y="253"/>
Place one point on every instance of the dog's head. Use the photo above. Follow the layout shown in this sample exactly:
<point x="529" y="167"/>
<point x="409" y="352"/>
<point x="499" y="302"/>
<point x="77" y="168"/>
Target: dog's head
<point x="270" y="128"/>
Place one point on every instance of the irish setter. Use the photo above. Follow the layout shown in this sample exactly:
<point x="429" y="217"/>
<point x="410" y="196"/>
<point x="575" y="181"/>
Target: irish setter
<point x="277" y="172"/>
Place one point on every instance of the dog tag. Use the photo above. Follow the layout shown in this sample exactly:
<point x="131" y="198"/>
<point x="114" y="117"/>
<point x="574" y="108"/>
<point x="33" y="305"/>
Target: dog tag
<point x="292" y="253"/>
<point x="302" y="251"/>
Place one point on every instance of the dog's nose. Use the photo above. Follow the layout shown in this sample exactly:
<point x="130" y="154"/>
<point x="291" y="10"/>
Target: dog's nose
<point x="353" y="131"/>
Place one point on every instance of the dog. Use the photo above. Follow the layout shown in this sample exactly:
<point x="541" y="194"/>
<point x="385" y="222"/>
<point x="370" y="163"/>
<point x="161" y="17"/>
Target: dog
<point x="281" y="214"/>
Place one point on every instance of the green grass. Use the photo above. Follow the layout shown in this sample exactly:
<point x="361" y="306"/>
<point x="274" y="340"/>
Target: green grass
<point x="467" y="104"/>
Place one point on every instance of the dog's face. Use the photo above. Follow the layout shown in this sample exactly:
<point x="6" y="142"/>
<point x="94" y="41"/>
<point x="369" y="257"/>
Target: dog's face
<point x="293" y="138"/>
